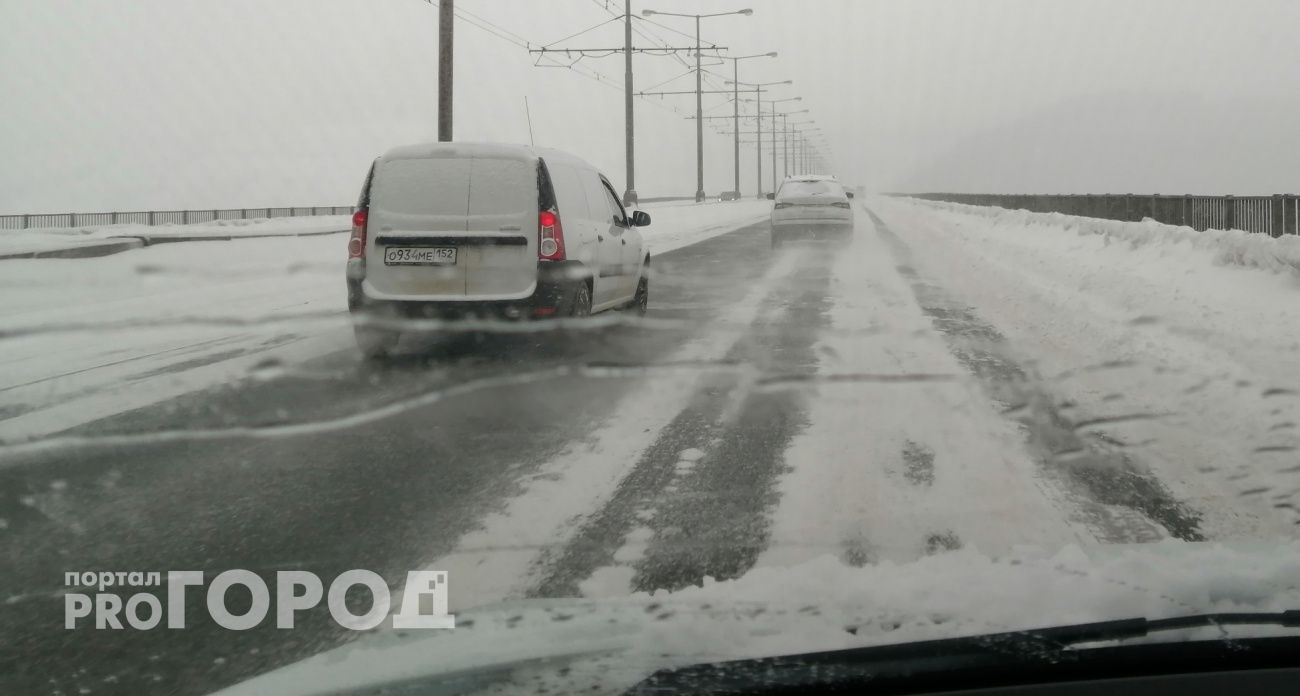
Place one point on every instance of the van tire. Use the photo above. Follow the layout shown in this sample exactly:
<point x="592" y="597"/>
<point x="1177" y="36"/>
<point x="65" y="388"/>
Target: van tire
<point x="376" y="344"/>
<point x="581" y="301"/>
<point x="641" y="300"/>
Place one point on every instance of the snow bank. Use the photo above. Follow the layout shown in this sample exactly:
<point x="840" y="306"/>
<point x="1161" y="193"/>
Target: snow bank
<point x="44" y="240"/>
<point x="86" y="338"/>
<point x="674" y="225"/>
<point x="1228" y="247"/>
<point x="1182" y="347"/>
<point x="224" y="228"/>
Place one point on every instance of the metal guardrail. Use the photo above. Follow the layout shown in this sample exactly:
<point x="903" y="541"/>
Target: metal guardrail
<point x="160" y="217"/>
<point x="1272" y="215"/>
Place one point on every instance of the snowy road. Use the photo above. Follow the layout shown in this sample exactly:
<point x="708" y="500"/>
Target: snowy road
<point x="941" y="383"/>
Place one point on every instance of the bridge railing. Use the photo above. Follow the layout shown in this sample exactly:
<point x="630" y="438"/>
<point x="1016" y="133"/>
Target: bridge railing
<point x="1272" y="215"/>
<point x="32" y="221"/>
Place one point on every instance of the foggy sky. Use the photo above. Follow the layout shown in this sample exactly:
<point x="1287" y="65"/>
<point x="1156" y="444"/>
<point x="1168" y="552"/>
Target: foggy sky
<point x="233" y="103"/>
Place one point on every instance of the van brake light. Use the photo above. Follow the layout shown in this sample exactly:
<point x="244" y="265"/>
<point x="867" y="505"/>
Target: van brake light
<point x="550" y="236"/>
<point x="357" y="242"/>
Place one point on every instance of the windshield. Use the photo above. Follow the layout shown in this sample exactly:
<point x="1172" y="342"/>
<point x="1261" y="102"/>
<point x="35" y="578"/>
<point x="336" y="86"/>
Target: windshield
<point x="345" y="343"/>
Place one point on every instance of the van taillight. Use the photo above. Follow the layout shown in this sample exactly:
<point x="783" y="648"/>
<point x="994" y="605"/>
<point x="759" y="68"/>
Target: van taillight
<point x="550" y="236"/>
<point x="357" y="242"/>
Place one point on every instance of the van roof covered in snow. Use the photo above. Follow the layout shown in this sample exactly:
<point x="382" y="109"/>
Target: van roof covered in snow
<point x="479" y="150"/>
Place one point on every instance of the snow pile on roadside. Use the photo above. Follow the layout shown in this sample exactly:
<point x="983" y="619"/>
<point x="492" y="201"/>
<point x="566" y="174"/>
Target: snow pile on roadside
<point x="86" y="338"/>
<point x="256" y="227"/>
<point x="676" y="224"/>
<point x="1228" y="247"/>
<point x="1190" y="365"/>
<point x="260" y="227"/>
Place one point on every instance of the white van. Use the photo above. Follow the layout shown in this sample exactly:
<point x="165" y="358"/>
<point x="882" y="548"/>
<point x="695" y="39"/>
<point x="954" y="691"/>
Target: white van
<point x="453" y="230"/>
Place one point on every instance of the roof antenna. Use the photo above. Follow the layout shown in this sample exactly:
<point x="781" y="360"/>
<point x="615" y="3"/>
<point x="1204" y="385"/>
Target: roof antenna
<point x="529" y="114"/>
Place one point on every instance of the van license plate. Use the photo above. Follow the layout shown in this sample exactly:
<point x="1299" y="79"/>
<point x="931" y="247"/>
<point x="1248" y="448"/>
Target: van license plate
<point x="420" y="256"/>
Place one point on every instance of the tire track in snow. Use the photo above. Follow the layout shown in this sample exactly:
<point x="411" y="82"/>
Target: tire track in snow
<point x="1115" y="494"/>
<point x="695" y="504"/>
<point x="892" y="470"/>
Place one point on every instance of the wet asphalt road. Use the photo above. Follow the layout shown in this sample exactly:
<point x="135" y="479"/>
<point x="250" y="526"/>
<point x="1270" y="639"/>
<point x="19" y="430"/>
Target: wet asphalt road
<point x="395" y="494"/>
<point x="400" y="491"/>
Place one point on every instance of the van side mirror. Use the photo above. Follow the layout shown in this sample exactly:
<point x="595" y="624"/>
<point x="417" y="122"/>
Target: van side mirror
<point x="640" y="218"/>
<point x="849" y="194"/>
<point x="771" y="196"/>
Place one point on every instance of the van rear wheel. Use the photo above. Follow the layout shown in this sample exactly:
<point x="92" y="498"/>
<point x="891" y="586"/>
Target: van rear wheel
<point x="641" y="300"/>
<point x="581" y="301"/>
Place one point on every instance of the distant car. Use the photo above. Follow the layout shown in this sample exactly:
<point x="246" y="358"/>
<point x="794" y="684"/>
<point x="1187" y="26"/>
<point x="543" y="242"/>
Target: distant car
<point x="729" y="196"/>
<point x="453" y="230"/>
<point x="811" y="207"/>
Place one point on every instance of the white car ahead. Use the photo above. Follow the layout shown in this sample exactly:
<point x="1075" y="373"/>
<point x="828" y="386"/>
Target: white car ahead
<point x="480" y="230"/>
<point x="811" y="207"/>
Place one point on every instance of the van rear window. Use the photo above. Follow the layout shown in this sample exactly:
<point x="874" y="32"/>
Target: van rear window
<point x="435" y="186"/>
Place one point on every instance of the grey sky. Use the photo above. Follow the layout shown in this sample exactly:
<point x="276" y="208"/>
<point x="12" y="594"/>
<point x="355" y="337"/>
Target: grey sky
<point x="206" y="103"/>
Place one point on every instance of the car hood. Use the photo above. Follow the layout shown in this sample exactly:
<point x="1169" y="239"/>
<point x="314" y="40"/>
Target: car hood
<point x="608" y="645"/>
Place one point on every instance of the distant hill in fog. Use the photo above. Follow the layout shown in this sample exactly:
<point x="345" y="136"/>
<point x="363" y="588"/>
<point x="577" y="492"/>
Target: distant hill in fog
<point x="1130" y="143"/>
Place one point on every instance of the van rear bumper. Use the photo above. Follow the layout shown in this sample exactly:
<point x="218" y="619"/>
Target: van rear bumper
<point x="557" y="285"/>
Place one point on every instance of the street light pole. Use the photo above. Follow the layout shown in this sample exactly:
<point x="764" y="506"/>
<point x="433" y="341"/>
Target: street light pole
<point x="629" y="196"/>
<point x="699" y="91"/>
<point x="699" y="123"/>
<point x="735" y="104"/>
<point x="758" y="133"/>
<point x="796" y="135"/>
<point x="758" y="127"/>
<point x="774" y="187"/>
<point x="446" y="20"/>
<point x="785" y="145"/>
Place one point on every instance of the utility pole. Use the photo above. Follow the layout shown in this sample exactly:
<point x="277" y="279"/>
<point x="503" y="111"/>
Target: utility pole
<point x="699" y="91"/>
<point x="774" y="185"/>
<point x="629" y="196"/>
<point x="627" y="49"/>
<point x="446" y="18"/>
<point x="758" y="133"/>
<point x="785" y="145"/>
<point x="699" y="123"/>
<point x="735" y="121"/>
<point x="735" y="98"/>
<point x="797" y="144"/>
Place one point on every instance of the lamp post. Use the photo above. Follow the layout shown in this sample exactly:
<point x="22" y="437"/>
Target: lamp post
<point x="758" y="112"/>
<point x="699" y="93"/>
<point x="795" y="144"/>
<point x="735" y="102"/>
<point x="785" y="139"/>
<point x="774" y="102"/>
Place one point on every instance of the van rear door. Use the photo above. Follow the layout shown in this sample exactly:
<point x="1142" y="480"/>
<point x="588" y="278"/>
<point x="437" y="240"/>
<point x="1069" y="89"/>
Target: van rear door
<point x="453" y="225"/>
<point x="503" y="206"/>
